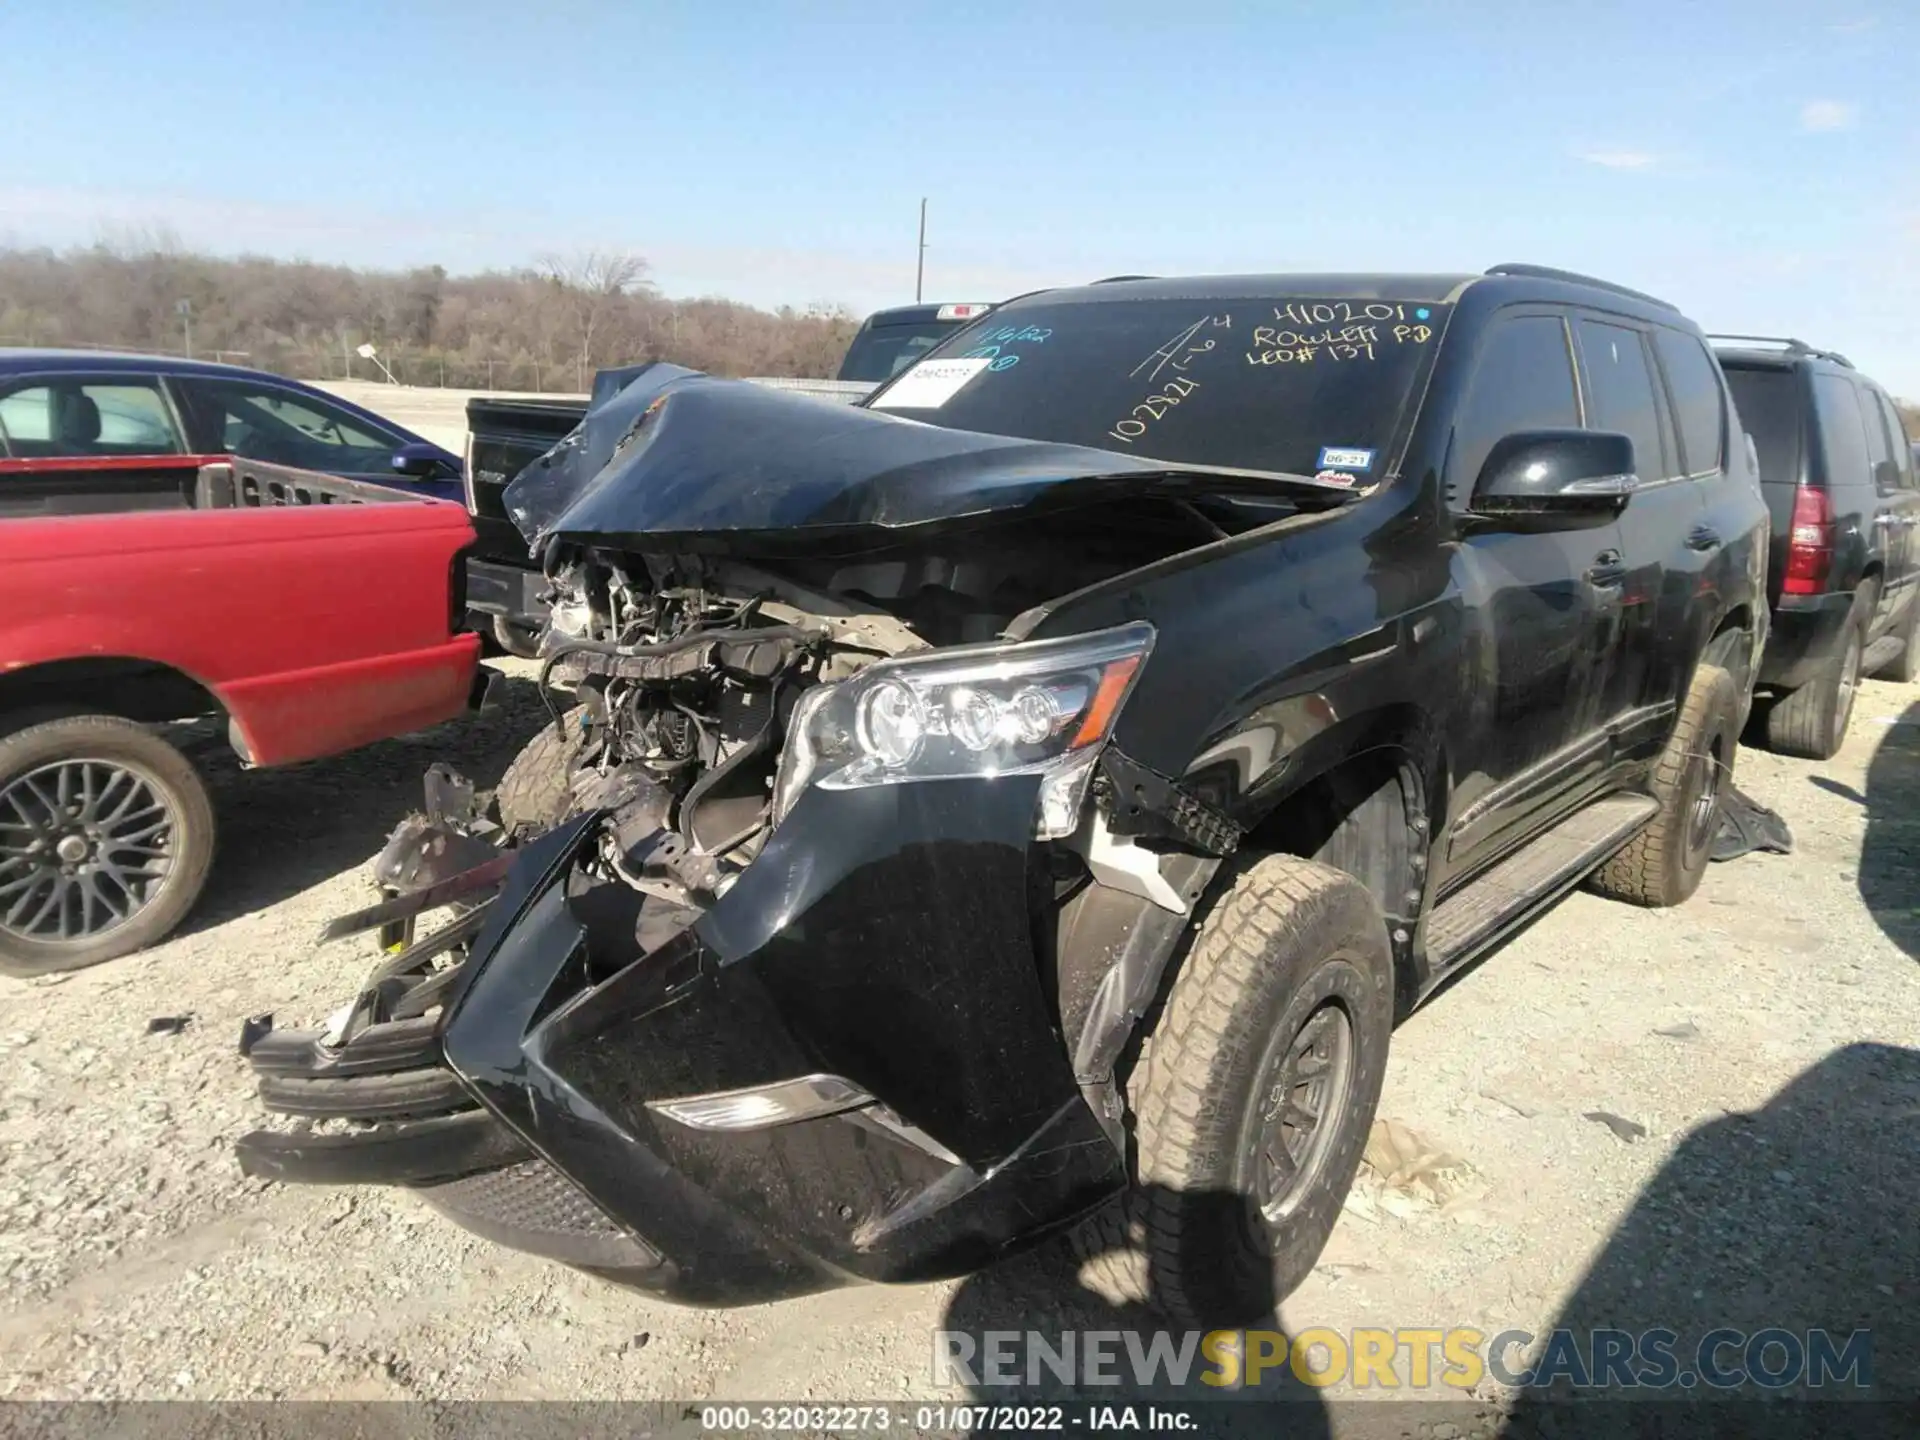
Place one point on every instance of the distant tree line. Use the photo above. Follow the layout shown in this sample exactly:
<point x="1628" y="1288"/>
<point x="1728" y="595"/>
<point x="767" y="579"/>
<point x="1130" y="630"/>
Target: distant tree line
<point x="547" y="326"/>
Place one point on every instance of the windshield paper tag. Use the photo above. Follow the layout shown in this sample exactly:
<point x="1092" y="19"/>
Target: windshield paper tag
<point x="931" y="383"/>
<point x="1333" y="457"/>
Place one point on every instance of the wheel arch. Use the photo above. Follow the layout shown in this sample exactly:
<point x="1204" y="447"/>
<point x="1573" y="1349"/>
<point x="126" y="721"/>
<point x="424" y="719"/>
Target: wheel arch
<point x="147" y="691"/>
<point x="1364" y="796"/>
<point x="1724" y="649"/>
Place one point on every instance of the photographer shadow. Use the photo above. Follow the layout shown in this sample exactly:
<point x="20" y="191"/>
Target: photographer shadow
<point x="1890" y="854"/>
<point x="1044" y="1292"/>
<point x="1794" y="1217"/>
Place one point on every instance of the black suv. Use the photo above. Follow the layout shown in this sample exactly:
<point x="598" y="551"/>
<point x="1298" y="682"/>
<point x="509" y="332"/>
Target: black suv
<point x="1035" y="794"/>
<point x="1839" y="479"/>
<point x="891" y="340"/>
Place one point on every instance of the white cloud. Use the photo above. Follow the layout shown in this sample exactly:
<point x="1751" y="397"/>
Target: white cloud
<point x="1819" y="115"/>
<point x="1620" y="159"/>
<point x="1855" y="27"/>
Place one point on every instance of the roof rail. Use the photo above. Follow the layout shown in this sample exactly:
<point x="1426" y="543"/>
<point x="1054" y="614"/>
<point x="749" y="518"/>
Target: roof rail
<point x="1115" y="279"/>
<point x="1573" y="277"/>
<point x="1790" y="345"/>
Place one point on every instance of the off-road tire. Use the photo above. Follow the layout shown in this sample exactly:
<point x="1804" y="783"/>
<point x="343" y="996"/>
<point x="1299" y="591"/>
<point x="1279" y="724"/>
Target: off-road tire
<point x="1285" y="939"/>
<point x="534" y="795"/>
<point x="111" y="738"/>
<point x="1906" y="669"/>
<point x="1811" y="723"/>
<point x="1662" y="864"/>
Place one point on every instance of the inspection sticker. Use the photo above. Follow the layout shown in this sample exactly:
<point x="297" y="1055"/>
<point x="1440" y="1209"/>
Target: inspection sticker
<point x="930" y="384"/>
<point x="1332" y="457"/>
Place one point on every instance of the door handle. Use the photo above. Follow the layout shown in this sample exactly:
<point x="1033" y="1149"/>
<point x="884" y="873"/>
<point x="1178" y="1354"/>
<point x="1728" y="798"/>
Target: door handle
<point x="1703" y="537"/>
<point x="1608" y="569"/>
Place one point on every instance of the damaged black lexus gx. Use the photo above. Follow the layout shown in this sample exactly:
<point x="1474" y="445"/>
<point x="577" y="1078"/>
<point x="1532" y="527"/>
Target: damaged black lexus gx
<point x="1026" y="802"/>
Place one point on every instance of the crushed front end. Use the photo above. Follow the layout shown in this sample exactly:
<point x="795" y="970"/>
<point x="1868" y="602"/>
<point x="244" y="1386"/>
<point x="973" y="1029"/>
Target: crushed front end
<point x="823" y="974"/>
<point x="775" y="1008"/>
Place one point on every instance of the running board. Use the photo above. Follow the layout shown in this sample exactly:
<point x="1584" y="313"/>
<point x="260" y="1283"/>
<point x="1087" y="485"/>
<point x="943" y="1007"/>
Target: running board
<point x="1473" y="918"/>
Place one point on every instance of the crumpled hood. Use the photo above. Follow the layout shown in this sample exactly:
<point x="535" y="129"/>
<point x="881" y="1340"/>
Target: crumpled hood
<point x="679" y="460"/>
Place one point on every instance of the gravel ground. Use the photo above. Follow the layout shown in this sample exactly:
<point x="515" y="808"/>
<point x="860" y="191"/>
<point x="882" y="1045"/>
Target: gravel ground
<point x="1758" y="1052"/>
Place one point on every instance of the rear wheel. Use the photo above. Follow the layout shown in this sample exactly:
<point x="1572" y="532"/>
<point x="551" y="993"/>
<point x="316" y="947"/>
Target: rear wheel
<point x="1811" y="722"/>
<point x="1664" y="863"/>
<point x="1252" y="1100"/>
<point x="106" y="838"/>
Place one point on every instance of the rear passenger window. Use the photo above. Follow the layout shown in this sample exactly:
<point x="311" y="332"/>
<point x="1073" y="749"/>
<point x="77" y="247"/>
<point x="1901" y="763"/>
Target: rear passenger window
<point x="1843" y="430"/>
<point x="87" y="417"/>
<point x="1620" y="394"/>
<point x="1903" y="450"/>
<point x="1693" y="380"/>
<point x="1883" y="447"/>
<point x="1523" y="380"/>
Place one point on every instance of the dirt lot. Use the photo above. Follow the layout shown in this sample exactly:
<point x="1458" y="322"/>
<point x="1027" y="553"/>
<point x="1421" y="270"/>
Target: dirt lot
<point x="1766" y="1038"/>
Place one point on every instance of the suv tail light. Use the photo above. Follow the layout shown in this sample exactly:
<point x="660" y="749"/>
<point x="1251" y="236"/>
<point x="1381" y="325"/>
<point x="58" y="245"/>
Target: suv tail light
<point x="1809" y="543"/>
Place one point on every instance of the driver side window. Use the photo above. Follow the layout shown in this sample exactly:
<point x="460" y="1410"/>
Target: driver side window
<point x="264" y="422"/>
<point x="1522" y="380"/>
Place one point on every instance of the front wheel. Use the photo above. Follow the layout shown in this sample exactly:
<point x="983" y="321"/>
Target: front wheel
<point x="106" y="838"/>
<point x="535" y="794"/>
<point x="1252" y="1100"/>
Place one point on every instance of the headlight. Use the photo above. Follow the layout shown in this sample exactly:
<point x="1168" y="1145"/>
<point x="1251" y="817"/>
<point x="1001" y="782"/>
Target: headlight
<point x="1036" y="709"/>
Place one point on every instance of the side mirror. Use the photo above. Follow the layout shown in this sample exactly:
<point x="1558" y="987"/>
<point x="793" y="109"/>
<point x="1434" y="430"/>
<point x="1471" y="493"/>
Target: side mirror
<point x="1556" y="472"/>
<point x="416" y="459"/>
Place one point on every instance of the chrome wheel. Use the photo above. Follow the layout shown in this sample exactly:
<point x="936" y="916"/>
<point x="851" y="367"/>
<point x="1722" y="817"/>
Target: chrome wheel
<point x="1303" y="1104"/>
<point x="85" y="845"/>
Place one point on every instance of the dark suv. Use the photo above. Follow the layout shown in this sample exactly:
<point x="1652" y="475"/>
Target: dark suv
<point x="891" y="340"/>
<point x="1035" y="794"/>
<point x="1839" y="479"/>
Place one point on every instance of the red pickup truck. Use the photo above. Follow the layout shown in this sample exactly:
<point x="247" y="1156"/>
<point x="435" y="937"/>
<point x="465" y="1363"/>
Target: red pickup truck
<point x="315" y="614"/>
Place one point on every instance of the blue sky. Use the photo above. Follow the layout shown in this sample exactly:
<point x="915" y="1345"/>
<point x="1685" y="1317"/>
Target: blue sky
<point x="1754" y="162"/>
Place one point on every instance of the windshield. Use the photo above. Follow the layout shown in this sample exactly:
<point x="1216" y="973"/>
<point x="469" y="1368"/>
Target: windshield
<point x="1294" y="384"/>
<point x="879" y="352"/>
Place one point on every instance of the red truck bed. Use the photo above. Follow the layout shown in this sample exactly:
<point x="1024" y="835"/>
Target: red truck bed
<point x="317" y="614"/>
<point x="319" y="627"/>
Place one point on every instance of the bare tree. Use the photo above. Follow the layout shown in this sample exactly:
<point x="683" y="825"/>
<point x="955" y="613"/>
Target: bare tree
<point x="535" y="328"/>
<point x="591" y="285"/>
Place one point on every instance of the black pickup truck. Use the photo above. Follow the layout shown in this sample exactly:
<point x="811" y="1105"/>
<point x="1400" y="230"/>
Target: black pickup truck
<point x="1042" y="812"/>
<point x="504" y="435"/>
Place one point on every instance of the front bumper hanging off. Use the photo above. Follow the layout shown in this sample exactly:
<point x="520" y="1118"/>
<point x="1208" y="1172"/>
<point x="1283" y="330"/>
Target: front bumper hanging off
<point x="378" y="1071"/>
<point x="545" y="1082"/>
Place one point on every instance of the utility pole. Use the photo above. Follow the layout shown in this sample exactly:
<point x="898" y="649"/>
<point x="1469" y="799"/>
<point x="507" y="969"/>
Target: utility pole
<point x="185" y="307"/>
<point x="920" y="260"/>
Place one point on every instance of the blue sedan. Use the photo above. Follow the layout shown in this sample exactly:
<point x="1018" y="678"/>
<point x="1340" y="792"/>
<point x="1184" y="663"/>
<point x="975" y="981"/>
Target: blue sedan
<point x="81" y="403"/>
